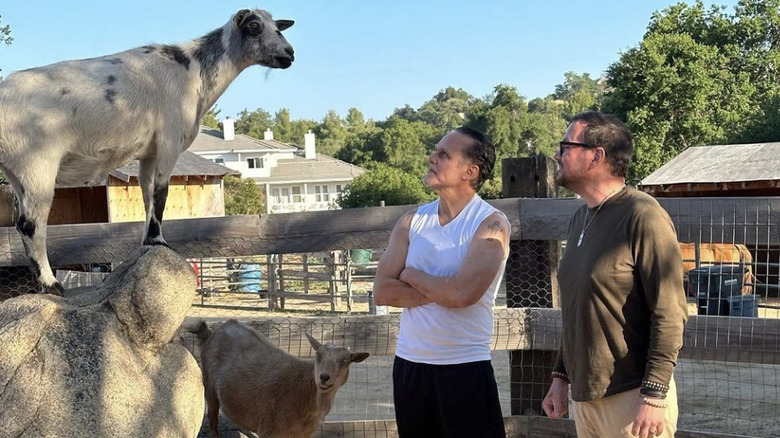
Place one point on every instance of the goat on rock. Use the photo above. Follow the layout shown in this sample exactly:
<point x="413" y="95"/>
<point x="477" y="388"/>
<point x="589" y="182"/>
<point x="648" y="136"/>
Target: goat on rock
<point x="69" y="122"/>
<point x="265" y="390"/>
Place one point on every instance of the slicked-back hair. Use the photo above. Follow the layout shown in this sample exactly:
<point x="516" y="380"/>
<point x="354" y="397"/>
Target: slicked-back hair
<point x="607" y="131"/>
<point x="481" y="152"/>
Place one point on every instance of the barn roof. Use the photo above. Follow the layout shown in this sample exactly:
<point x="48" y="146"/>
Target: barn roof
<point x="720" y="164"/>
<point x="188" y="164"/>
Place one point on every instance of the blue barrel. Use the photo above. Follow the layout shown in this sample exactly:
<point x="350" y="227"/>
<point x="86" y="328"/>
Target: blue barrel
<point x="249" y="278"/>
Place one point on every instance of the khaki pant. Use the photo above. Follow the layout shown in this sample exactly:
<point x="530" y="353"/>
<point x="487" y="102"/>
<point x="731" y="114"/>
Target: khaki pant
<point x="613" y="417"/>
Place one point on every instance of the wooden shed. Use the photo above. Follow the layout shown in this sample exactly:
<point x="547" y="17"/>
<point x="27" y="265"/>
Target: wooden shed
<point x="720" y="170"/>
<point x="195" y="191"/>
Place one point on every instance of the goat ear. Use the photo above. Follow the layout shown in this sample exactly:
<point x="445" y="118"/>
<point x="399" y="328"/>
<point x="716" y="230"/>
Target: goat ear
<point x="284" y="24"/>
<point x="358" y="357"/>
<point x="240" y="17"/>
<point x="314" y="344"/>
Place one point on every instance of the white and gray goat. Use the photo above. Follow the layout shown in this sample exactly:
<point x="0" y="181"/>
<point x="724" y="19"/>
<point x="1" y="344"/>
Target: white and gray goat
<point x="265" y="390"/>
<point x="71" y="121"/>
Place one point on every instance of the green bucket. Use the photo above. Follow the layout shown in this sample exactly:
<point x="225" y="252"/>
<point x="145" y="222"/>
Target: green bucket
<point x="360" y="256"/>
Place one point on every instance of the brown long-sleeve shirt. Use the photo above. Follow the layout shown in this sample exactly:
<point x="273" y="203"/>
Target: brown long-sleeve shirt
<point x="622" y="298"/>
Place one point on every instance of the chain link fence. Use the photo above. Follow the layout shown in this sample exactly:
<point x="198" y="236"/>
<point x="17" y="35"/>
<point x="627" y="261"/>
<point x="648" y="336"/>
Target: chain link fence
<point x="313" y="272"/>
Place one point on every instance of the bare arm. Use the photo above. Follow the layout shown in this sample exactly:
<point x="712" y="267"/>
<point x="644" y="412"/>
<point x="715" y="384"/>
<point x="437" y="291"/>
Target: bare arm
<point x="389" y="290"/>
<point x="483" y="260"/>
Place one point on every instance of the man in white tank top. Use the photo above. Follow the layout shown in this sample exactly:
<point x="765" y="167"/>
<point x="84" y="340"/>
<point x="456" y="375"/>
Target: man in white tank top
<point x="443" y="265"/>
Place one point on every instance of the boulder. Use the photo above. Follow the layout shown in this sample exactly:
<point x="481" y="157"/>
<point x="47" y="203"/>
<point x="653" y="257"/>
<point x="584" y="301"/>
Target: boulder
<point x="99" y="362"/>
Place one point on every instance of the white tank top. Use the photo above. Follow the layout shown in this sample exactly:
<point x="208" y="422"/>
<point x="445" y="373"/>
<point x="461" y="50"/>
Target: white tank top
<point x="431" y="333"/>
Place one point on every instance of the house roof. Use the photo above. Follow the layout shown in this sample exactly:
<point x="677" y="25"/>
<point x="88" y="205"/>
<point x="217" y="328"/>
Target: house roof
<point x="212" y="140"/>
<point x="188" y="164"/>
<point x="321" y="168"/>
<point x="720" y="164"/>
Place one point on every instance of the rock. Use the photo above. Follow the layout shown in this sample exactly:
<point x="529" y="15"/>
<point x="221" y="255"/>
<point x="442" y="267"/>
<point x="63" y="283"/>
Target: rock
<point x="100" y="363"/>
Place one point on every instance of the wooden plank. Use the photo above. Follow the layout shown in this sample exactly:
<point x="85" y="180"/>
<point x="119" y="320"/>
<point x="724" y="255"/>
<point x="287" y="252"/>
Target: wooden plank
<point x="753" y="221"/>
<point x="308" y="275"/>
<point x="546" y="219"/>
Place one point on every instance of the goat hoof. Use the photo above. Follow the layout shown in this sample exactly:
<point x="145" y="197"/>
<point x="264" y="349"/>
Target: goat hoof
<point x="55" y="289"/>
<point x="156" y="243"/>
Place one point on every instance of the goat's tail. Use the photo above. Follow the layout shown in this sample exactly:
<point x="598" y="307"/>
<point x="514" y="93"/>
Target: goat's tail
<point x="199" y="327"/>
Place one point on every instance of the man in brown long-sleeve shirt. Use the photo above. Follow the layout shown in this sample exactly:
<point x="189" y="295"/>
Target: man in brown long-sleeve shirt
<point x="622" y="298"/>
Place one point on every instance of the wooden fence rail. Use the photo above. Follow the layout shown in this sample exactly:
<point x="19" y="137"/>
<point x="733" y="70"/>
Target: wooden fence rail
<point x="722" y="338"/>
<point x="702" y="219"/>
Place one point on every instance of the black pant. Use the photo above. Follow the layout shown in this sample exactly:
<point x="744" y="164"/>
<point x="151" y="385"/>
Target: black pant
<point x="447" y="401"/>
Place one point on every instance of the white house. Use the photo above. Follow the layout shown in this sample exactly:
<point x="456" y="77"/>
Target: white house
<point x="293" y="178"/>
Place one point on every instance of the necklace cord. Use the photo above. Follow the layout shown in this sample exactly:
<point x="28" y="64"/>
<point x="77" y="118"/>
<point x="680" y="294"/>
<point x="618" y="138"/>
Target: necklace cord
<point x="586" y="223"/>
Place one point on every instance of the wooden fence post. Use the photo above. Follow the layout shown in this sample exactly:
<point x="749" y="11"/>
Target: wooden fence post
<point x="530" y="280"/>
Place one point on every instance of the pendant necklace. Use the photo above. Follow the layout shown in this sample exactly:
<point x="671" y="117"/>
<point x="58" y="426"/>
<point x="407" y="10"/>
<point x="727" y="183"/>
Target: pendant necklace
<point x="587" y="223"/>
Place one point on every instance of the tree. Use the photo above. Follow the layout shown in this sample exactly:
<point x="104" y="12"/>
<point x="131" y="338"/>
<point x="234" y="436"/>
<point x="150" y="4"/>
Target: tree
<point x="698" y="77"/>
<point x="283" y="127"/>
<point x="5" y="35"/>
<point x="211" y="118"/>
<point x="447" y="110"/>
<point x="331" y="134"/>
<point x="578" y="93"/>
<point x="384" y="183"/>
<point x="406" y="145"/>
<point x="255" y="123"/>
<point x="243" y="196"/>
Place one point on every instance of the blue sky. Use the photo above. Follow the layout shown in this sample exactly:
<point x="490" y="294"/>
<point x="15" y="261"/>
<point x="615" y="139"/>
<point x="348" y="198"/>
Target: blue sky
<point x="372" y="55"/>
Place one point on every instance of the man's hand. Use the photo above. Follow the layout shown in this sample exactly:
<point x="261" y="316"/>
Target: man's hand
<point x="556" y="402"/>
<point x="648" y="420"/>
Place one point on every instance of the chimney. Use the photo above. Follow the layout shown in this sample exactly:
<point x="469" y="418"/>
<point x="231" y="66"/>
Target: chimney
<point x="309" y="152"/>
<point x="228" y="129"/>
<point x="268" y="134"/>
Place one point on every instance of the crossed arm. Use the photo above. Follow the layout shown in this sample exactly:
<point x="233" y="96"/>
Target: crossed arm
<point x="400" y="286"/>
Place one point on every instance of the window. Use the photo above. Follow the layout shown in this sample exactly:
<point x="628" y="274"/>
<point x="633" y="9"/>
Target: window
<point x="321" y="193"/>
<point x="285" y="199"/>
<point x="296" y="191"/>
<point x="275" y="196"/>
<point x="254" y="163"/>
<point x="219" y="160"/>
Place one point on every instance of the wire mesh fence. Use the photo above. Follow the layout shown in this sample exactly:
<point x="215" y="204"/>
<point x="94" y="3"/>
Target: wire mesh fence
<point x="314" y="272"/>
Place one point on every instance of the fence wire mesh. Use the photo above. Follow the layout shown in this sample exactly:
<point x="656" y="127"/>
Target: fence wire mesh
<point x="728" y="371"/>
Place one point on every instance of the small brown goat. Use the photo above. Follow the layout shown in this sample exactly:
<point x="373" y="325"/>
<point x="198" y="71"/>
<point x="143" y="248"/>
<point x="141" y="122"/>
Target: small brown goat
<point x="264" y="389"/>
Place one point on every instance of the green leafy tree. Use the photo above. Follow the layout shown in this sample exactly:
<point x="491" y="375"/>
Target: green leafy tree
<point x="384" y="183"/>
<point x="700" y="76"/>
<point x="578" y="93"/>
<point x="211" y="118"/>
<point x="331" y="134"/>
<point x="5" y="35"/>
<point x="447" y="110"/>
<point x="406" y="145"/>
<point x="243" y="196"/>
<point x="361" y="149"/>
<point x="355" y="121"/>
<point x="254" y="123"/>
<point x="283" y="127"/>
<point x="406" y="112"/>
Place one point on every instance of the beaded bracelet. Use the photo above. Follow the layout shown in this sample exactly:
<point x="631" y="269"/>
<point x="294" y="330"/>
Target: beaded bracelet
<point x="655" y="386"/>
<point x="660" y="404"/>
<point x="561" y="376"/>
